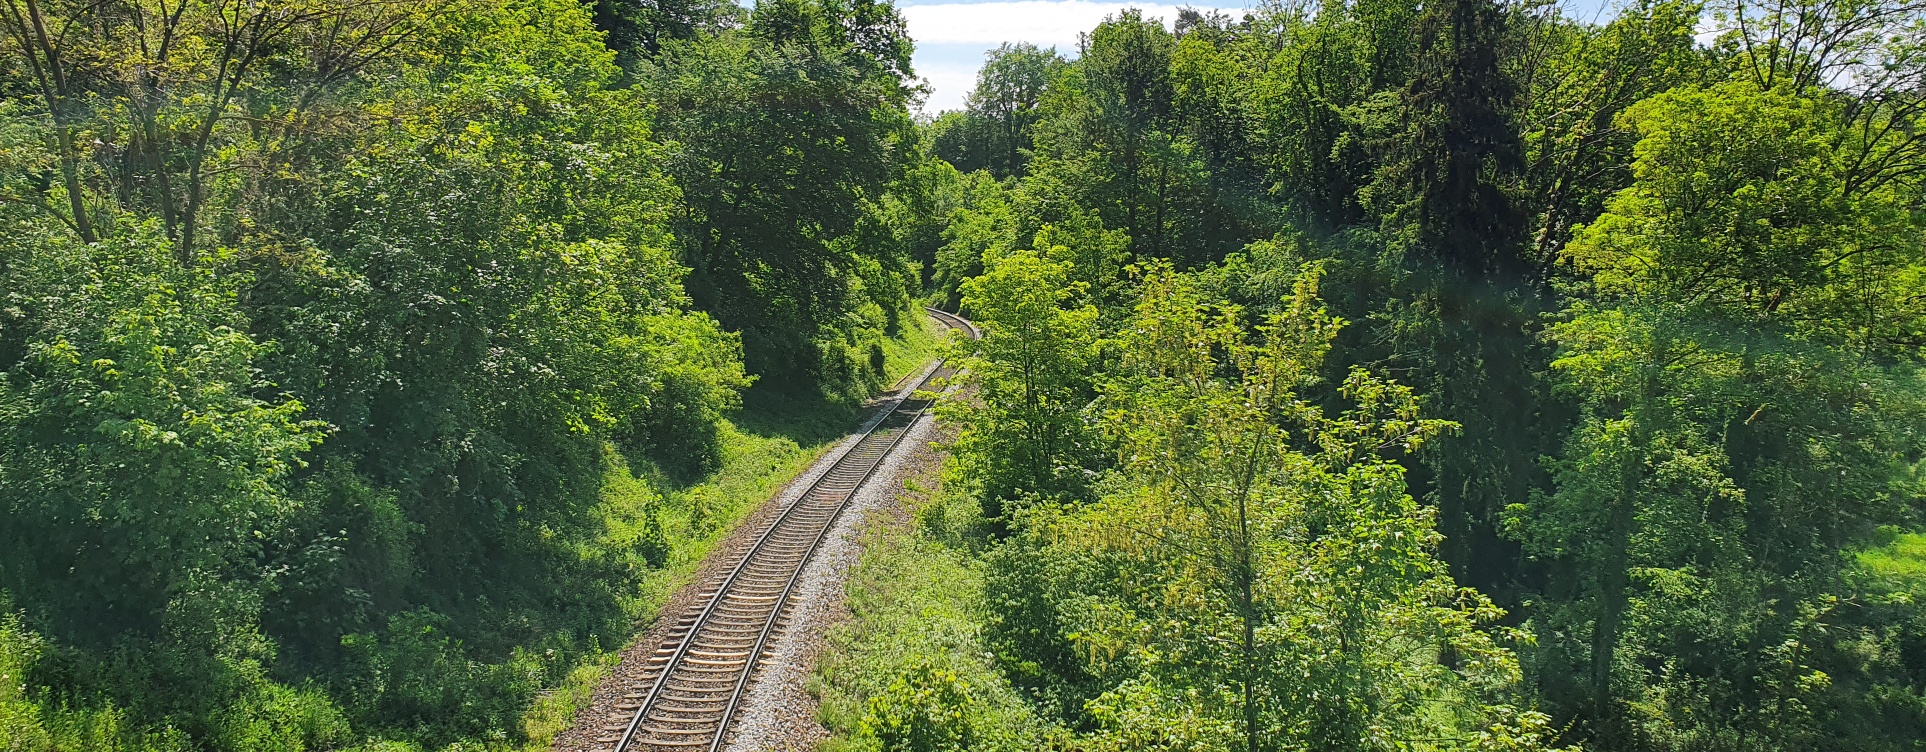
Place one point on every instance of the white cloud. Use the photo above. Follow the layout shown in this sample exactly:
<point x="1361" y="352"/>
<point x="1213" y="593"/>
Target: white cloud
<point x="1039" y="22"/>
<point x="949" y="85"/>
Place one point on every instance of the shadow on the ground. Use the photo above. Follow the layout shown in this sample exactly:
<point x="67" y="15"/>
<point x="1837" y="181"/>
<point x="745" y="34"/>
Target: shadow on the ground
<point x="799" y="412"/>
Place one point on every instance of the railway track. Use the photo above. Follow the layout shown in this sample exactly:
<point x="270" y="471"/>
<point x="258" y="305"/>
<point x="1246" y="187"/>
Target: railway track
<point x="688" y="694"/>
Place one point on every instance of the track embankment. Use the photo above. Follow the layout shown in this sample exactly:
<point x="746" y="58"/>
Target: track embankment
<point x="724" y="665"/>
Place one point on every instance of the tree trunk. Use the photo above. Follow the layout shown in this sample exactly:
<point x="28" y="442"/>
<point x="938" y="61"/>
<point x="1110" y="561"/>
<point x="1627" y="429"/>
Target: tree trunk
<point x="50" y="75"/>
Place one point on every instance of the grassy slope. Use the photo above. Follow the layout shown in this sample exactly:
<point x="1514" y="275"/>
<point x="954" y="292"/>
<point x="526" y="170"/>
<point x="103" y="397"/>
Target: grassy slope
<point x="775" y="438"/>
<point x="911" y="663"/>
<point x="1901" y="560"/>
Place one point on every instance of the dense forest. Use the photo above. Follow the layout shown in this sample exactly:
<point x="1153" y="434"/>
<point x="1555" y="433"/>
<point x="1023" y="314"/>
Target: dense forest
<point x="362" y="359"/>
<point x="1426" y="375"/>
<point x="1383" y="375"/>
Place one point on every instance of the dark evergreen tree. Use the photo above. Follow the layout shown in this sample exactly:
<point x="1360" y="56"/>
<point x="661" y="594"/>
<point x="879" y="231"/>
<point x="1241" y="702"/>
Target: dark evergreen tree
<point x="1464" y="311"/>
<point x="1444" y="188"/>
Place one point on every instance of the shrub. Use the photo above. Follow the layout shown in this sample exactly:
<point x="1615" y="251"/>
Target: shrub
<point x="926" y="709"/>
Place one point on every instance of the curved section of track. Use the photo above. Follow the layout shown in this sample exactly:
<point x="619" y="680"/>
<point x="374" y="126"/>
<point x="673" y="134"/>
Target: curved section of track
<point x="689" y="692"/>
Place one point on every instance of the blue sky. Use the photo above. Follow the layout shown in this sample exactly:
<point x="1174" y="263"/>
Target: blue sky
<point x="952" y="35"/>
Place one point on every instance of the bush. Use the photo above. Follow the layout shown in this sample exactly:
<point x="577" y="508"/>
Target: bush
<point x="140" y="475"/>
<point x="911" y="671"/>
<point x="38" y="724"/>
<point x="681" y="430"/>
<point x="415" y="681"/>
<point x="925" y="709"/>
<point x="652" y="541"/>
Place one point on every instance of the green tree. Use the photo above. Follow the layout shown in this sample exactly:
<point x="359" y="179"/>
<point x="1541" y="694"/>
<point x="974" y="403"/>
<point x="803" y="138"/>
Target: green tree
<point x="1769" y="225"/>
<point x="1254" y="575"/>
<point x="170" y="111"/>
<point x="1008" y="88"/>
<point x="352" y="444"/>
<point x="145" y="488"/>
<point x="1106" y="139"/>
<point x="488" y="301"/>
<point x="1444" y="190"/>
<point x="135" y="442"/>
<point x="1577" y="152"/>
<point x="1027" y="436"/>
<point x="1733" y="436"/>
<point x="1326" y="96"/>
<point x="984" y="224"/>
<point x="638" y="29"/>
<point x="789" y="133"/>
<point x="959" y="139"/>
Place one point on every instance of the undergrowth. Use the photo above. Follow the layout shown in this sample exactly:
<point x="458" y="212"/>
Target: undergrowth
<point x="1901" y="557"/>
<point x="911" y="670"/>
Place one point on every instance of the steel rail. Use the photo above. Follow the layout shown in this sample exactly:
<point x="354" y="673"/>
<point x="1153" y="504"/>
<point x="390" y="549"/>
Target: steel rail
<point x="868" y="461"/>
